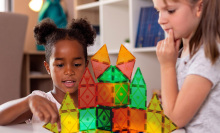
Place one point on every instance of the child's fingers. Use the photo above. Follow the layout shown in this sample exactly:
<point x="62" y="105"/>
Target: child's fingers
<point x="59" y="125"/>
<point x="170" y="37"/>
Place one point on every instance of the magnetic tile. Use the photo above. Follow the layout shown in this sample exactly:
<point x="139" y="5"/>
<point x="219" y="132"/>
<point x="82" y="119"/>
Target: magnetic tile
<point x="126" y="68"/>
<point x="102" y="55"/>
<point x="124" y="56"/>
<point x="99" y="68"/>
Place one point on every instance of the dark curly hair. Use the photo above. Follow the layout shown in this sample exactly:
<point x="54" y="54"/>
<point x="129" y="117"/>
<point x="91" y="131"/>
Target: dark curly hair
<point x="46" y="33"/>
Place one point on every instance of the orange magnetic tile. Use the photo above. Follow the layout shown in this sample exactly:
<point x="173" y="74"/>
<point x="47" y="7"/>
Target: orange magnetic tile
<point x="99" y="68"/>
<point x="102" y="55"/>
<point x="87" y="78"/>
<point x="124" y="56"/>
<point x="104" y="94"/>
<point x="120" y="119"/>
<point x="126" y="68"/>
<point x="137" y="119"/>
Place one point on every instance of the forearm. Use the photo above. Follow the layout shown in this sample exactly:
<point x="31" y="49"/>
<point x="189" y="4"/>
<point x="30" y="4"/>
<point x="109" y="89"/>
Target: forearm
<point x="13" y="109"/>
<point x="169" y="89"/>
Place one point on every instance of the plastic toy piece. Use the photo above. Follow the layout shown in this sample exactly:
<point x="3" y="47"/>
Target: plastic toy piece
<point x="113" y="94"/>
<point x="157" y="122"/>
<point x="138" y="91"/>
<point x="126" y="68"/>
<point x="68" y="117"/>
<point x="87" y="91"/>
<point x="99" y="68"/>
<point x="51" y="127"/>
<point x="124" y="56"/>
<point x="95" y="118"/>
<point x="102" y="55"/>
<point x="112" y="75"/>
<point x="128" y="119"/>
<point x="120" y="120"/>
<point x="87" y="78"/>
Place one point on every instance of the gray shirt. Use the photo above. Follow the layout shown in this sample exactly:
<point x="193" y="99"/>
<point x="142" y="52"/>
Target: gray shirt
<point x="207" y="119"/>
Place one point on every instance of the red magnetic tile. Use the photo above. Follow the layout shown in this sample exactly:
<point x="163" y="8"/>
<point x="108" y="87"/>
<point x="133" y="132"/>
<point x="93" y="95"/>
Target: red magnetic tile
<point x="87" y="97"/>
<point x="99" y="68"/>
<point x="87" y="78"/>
<point x="126" y="68"/>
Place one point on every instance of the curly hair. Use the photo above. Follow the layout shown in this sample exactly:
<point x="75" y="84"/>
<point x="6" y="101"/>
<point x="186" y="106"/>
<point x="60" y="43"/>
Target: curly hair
<point x="46" y="33"/>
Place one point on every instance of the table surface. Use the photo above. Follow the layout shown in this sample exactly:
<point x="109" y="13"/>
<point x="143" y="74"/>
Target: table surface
<point x="37" y="128"/>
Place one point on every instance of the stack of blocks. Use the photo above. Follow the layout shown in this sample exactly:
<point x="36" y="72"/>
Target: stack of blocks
<point x="113" y="104"/>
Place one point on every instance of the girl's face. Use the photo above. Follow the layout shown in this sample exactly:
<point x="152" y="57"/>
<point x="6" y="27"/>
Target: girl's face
<point x="67" y="65"/>
<point x="180" y="16"/>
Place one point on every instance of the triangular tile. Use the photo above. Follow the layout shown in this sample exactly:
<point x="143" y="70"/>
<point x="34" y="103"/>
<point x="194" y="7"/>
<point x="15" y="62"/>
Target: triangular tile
<point x="169" y="126"/>
<point x="102" y="55"/>
<point x="99" y="68"/>
<point x="51" y="127"/>
<point x="155" y="104"/>
<point x="112" y="75"/>
<point x="138" y="78"/>
<point x="126" y="68"/>
<point x="67" y="103"/>
<point x="124" y="56"/>
<point x="87" y="78"/>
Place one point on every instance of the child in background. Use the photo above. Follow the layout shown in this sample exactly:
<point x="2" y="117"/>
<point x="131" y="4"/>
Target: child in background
<point x="66" y="60"/>
<point x="190" y="77"/>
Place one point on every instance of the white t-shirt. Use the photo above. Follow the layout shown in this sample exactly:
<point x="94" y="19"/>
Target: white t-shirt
<point x="49" y="96"/>
<point x="207" y="119"/>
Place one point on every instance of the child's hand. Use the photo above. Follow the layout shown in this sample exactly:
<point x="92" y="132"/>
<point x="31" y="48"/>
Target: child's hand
<point x="167" y="51"/>
<point x="44" y="109"/>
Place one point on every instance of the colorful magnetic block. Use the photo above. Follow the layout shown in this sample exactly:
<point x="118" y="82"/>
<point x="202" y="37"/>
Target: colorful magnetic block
<point x="124" y="56"/>
<point x="157" y="122"/>
<point x="126" y="68"/>
<point x="102" y="55"/>
<point x="99" y="68"/>
<point x="113" y="75"/>
<point x="51" y="127"/>
<point x="69" y="117"/>
<point x="125" y="119"/>
<point x="138" y="91"/>
<point x="87" y="91"/>
<point x="95" y="118"/>
<point x="120" y="119"/>
<point x="113" y="94"/>
<point x="137" y="119"/>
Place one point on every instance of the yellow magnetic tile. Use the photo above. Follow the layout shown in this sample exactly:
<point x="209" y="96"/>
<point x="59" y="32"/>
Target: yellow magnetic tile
<point x="154" y="122"/>
<point x="67" y="103"/>
<point x="124" y="56"/>
<point x="69" y="122"/>
<point x="102" y="55"/>
<point x="155" y="104"/>
<point x="169" y="126"/>
<point x="51" y="127"/>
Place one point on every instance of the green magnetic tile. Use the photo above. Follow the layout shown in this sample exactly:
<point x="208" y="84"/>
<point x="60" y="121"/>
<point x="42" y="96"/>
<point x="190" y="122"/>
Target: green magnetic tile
<point x="87" y="118"/>
<point x="121" y="91"/>
<point x="138" y="98"/>
<point x="138" y="78"/>
<point x="112" y="75"/>
<point x="104" y="118"/>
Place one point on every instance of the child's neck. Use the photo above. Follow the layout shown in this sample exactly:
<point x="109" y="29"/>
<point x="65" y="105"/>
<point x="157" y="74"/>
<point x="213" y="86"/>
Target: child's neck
<point x="59" y="95"/>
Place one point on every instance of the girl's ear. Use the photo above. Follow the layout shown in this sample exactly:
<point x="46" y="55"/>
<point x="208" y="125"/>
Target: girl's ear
<point x="46" y="65"/>
<point x="199" y="8"/>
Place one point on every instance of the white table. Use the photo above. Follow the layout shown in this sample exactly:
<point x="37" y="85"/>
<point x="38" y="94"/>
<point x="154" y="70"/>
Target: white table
<point x="37" y="128"/>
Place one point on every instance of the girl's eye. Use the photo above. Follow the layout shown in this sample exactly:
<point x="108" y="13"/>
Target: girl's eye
<point x="171" y="11"/>
<point x="77" y="65"/>
<point x="59" y="65"/>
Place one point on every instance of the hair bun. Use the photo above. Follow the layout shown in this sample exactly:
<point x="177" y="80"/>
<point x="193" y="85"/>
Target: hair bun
<point x="45" y="28"/>
<point x="84" y="28"/>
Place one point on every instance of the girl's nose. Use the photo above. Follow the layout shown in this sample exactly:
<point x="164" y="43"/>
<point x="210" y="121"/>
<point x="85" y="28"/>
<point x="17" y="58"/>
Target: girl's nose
<point x="69" y="71"/>
<point x="162" y="19"/>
